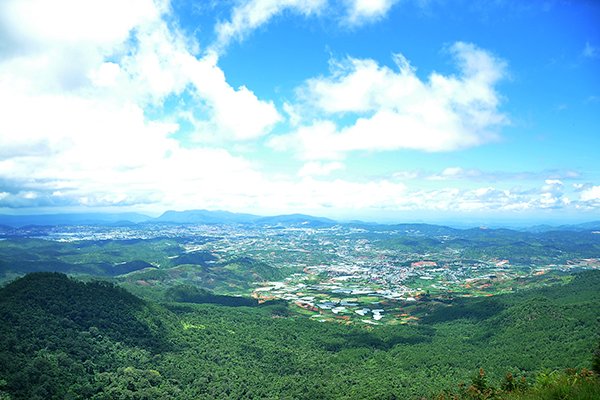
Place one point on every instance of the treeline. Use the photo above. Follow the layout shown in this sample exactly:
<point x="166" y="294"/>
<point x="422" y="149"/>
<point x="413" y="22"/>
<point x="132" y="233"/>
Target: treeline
<point x="194" y="294"/>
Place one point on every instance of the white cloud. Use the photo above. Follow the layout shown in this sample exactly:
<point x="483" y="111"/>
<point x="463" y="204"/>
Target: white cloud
<point x="340" y="194"/>
<point x="551" y="177"/>
<point x="82" y="88"/>
<point x="458" y="173"/>
<point x="552" y="195"/>
<point x="362" y="11"/>
<point x="315" y="168"/>
<point x="590" y="51"/>
<point x="591" y="194"/>
<point x="547" y="200"/>
<point x="452" y="171"/>
<point x="552" y="182"/>
<point x="293" y="117"/>
<point x="397" y="110"/>
<point x="251" y="14"/>
<point x="127" y="53"/>
<point x="407" y="175"/>
<point x="317" y="141"/>
<point x="551" y="192"/>
<point x="54" y="45"/>
<point x="39" y="22"/>
<point x="238" y="114"/>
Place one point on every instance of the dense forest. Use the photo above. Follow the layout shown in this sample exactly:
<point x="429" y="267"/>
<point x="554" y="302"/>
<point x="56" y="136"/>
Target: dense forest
<point x="67" y="339"/>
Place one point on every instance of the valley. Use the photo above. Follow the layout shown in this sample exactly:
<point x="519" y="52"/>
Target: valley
<point x="348" y="273"/>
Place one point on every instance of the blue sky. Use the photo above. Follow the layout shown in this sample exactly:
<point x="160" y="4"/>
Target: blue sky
<point x="383" y="110"/>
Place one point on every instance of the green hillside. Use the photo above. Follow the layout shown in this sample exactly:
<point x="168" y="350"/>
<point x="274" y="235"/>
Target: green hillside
<point x="63" y="339"/>
<point x="164" y="261"/>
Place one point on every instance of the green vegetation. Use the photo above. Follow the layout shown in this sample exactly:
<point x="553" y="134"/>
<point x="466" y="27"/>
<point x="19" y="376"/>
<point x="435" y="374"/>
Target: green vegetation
<point x="556" y="385"/>
<point x="165" y="262"/>
<point x="66" y="339"/>
<point x="89" y="257"/>
<point x="300" y="312"/>
<point x="519" y="247"/>
<point x="193" y="294"/>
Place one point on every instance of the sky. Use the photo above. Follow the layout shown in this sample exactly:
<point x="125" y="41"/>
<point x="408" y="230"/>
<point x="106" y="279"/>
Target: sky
<point x="381" y="110"/>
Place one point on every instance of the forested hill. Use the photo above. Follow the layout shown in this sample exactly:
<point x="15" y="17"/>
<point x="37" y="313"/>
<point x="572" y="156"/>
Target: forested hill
<point x="55" y="332"/>
<point x="43" y="303"/>
<point x="65" y="339"/>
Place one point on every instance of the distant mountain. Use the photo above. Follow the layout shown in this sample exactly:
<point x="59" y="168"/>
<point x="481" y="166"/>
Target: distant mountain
<point x="205" y="217"/>
<point x="169" y="217"/>
<point x="296" y="219"/>
<point x="409" y="229"/>
<point x="210" y="217"/>
<point x="226" y="217"/>
<point x="73" y="219"/>
<point x="586" y="226"/>
<point x="539" y="228"/>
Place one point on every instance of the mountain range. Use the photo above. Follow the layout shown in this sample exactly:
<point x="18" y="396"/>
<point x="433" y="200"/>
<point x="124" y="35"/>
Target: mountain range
<point x="168" y="217"/>
<point x="210" y="217"/>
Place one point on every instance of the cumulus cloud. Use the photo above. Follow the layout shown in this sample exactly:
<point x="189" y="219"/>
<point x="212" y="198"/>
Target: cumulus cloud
<point x="83" y="86"/>
<point x="362" y="11"/>
<point x="235" y="113"/>
<point x="108" y="50"/>
<point x="591" y="195"/>
<point x="552" y="195"/>
<point x="395" y="109"/>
